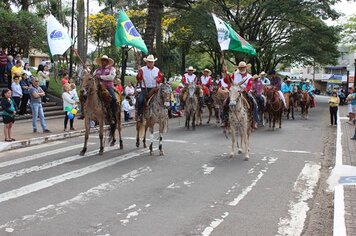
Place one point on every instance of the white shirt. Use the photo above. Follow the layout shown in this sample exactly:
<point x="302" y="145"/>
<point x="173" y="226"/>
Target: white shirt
<point x="16" y="90"/>
<point x="67" y="101"/>
<point x="238" y="78"/>
<point x="150" y="77"/>
<point x="129" y="91"/>
<point x="126" y="105"/>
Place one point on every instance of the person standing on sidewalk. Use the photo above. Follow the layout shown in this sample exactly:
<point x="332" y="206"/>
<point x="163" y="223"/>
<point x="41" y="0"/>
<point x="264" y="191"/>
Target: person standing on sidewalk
<point x="25" y="86"/>
<point x="36" y="94"/>
<point x="8" y="113"/>
<point x="3" y="63"/>
<point x="42" y="78"/>
<point x="333" y="107"/>
<point x="352" y="112"/>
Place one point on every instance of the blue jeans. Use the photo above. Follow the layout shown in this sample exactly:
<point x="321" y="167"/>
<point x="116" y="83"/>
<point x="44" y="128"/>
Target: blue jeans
<point x="113" y="101"/>
<point x="141" y="99"/>
<point x="254" y="107"/>
<point x="37" y="111"/>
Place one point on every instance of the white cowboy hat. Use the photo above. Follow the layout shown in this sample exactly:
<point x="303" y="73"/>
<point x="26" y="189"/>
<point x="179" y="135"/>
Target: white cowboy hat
<point x="307" y="81"/>
<point x="150" y="58"/>
<point x="180" y="85"/>
<point x="207" y="70"/>
<point x="288" y="80"/>
<point x="104" y="57"/>
<point x="255" y="76"/>
<point x="262" y="73"/>
<point x="190" y="68"/>
<point x="243" y="64"/>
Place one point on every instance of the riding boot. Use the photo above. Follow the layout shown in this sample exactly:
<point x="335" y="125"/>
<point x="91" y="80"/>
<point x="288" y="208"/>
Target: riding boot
<point x="201" y="101"/>
<point x="225" y="113"/>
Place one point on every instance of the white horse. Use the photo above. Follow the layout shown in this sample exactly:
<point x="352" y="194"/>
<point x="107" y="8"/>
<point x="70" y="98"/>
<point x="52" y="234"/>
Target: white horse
<point x="239" y="121"/>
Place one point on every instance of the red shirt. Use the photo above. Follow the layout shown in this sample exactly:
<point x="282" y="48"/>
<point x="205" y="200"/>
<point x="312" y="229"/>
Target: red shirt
<point x="119" y="88"/>
<point x="65" y="81"/>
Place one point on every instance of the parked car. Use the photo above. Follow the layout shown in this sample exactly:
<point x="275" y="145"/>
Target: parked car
<point x="131" y="72"/>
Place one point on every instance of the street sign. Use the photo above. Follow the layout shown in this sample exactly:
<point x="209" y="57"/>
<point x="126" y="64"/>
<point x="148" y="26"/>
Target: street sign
<point x="347" y="180"/>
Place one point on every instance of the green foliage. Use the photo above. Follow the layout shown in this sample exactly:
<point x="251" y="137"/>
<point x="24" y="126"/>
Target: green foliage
<point x="21" y="30"/>
<point x="348" y="34"/>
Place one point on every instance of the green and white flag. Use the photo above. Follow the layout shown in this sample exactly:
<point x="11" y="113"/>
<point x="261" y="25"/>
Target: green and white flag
<point x="57" y="36"/>
<point x="230" y="40"/>
<point x="126" y="34"/>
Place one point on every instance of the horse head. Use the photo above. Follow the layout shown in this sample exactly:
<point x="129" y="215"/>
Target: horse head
<point x="88" y="83"/>
<point x="191" y="90"/>
<point x="164" y="94"/>
<point x="235" y="96"/>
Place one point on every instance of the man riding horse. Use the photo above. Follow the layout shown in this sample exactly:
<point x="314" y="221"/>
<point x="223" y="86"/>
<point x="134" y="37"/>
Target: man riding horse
<point x="206" y="82"/>
<point x="287" y="89"/>
<point x="148" y="77"/>
<point x="276" y="83"/>
<point x="309" y="88"/>
<point x="190" y="78"/>
<point x="106" y="74"/>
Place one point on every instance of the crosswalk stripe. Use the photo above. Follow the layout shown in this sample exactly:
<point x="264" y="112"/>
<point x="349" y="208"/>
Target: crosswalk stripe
<point x="31" y="148"/>
<point x="39" y="155"/>
<point x="67" y="176"/>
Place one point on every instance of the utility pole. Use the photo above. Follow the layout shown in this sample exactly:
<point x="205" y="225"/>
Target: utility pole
<point x="72" y="47"/>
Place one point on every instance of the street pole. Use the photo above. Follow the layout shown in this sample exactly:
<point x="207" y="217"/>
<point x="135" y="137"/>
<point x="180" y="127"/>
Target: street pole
<point x="347" y="83"/>
<point x="355" y="76"/>
<point x="123" y="65"/>
<point x="71" y="49"/>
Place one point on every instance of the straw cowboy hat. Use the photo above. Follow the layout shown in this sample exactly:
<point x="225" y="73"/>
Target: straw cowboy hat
<point x="191" y="68"/>
<point x="255" y="76"/>
<point x="104" y="57"/>
<point x="150" y="58"/>
<point x="307" y="81"/>
<point x="243" y="64"/>
<point x="288" y="80"/>
<point x="262" y="73"/>
<point x="207" y="70"/>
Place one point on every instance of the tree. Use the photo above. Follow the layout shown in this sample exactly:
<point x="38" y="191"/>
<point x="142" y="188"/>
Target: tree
<point x="348" y="34"/>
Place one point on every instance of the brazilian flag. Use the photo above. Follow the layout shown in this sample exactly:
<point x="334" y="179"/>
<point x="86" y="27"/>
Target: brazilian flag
<point x="126" y="34"/>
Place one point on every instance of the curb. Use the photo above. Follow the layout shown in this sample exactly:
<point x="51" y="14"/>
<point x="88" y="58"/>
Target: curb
<point x="53" y="137"/>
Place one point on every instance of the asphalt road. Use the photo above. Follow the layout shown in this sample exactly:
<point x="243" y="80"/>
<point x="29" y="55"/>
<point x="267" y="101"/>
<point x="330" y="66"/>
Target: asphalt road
<point x="195" y="189"/>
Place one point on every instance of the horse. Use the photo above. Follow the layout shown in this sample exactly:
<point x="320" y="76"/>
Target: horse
<point x="293" y="99"/>
<point x="274" y="107"/>
<point x="156" y="112"/>
<point x="239" y="121"/>
<point x="200" y="93"/>
<point x="218" y="96"/>
<point x="305" y="104"/>
<point x="94" y="108"/>
<point x="191" y="106"/>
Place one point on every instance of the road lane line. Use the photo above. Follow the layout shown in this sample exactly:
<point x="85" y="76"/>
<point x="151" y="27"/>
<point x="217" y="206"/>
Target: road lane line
<point x="304" y="187"/>
<point x="31" y="148"/>
<point x="208" y="230"/>
<point x="164" y="140"/>
<point x="12" y="194"/>
<point x="38" y="156"/>
<point x="51" y="211"/>
<point x="291" y="151"/>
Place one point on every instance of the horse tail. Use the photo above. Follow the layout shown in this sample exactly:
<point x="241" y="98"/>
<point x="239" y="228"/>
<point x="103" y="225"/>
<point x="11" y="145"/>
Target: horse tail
<point x="142" y="129"/>
<point x="112" y="131"/>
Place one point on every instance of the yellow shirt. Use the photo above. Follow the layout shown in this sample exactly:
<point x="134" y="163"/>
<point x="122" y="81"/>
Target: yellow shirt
<point x="334" y="101"/>
<point x="16" y="70"/>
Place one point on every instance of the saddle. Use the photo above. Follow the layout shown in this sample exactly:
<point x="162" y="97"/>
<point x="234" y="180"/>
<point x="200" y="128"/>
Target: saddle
<point x="148" y="98"/>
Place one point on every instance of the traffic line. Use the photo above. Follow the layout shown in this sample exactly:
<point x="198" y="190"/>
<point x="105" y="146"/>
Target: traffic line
<point x="51" y="211"/>
<point x="39" y="155"/>
<point x="163" y="140"/>
<point x="304" y="187"/>
<point x="31" y="148"/>
<point x="208" y="230"/>
<point x="67" y="176"/>
<point x="292" y="151"/>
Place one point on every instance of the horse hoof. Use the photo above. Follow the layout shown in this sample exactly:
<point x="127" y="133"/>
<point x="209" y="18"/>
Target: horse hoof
<point x="137" y="144"/>
<point x="247" y="158"/>
<point x="231" y="155"/>
<point x="239" y="151"/>
<point x="81" y="153"/>
<point x="208" y="122"/>
<point x="112" y="143"/>
<point x="161" y="153"/>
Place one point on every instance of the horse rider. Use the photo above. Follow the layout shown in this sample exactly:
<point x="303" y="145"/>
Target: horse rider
<point x="308" y="87"/>
<point x="287" y="88"/>
<point x="276" y="82"/>
<point x="206" y="81"/>
<point x="257" y="89"/>
<point x="301" y="84"/>
<point x="106" y="73"/>
<point x="264" y="79"/>
<point x="148" y="77"/>
<point x="241" y="76"/>
<point x="190" y="78"/>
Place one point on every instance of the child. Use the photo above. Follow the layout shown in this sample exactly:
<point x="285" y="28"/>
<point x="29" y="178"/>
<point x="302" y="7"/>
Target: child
<point x="8" y="113"/>
<point x="127" y="108"/>
<point x="68" y="101"/>
<point x="333" y="103"/>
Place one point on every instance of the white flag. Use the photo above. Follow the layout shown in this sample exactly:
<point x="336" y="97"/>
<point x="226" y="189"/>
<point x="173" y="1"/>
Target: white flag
<point x="57" y="36"/>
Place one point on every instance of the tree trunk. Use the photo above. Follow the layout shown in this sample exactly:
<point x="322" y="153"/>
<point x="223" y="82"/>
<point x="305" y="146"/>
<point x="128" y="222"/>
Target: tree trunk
<point x="153" y="6"/>
<point x="182" y="69"/>
<point x="159" y="35"/>
<point x="25" y="5"/>
<point x="87" y="29"/>
<point x="81" y="30"/>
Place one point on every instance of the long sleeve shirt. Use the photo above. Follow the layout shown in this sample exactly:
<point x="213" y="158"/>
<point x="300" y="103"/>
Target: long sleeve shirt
<point x="308" y="88"/>
<point x="287" y="88"/>
<point x="16" y="90"/>
<point x="126" y="105"/>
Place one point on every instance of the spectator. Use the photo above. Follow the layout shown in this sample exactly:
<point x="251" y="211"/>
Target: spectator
<point x="8" y="113"/>
<point x="16" y="90"/>
<point x="16" y="70"/>
<point x="26" y="69"/>
<point x="68" y="101"/>
<point x="130" y="91"/>
<point x="333" y="107"/>
<point x="46" y="72"/>
<point x="6" y="78"/>
<point x="119" y="86"/>
<point x="341" y="96"/>
<point x="36" y="93"/>
<point x="19" y="58"/>
<point x="3" y="63"/>
<point x="42" y="78"/>
<point x="73" y="92"/>
<point x="65" y="78"/>
<point x="25" y="86"/>
<point x="127" y="108"/>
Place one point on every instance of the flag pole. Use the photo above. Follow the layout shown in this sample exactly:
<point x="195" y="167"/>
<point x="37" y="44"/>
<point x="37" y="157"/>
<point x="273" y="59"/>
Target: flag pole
<point x="123" y="65"/>
<point x="71" y="51"/>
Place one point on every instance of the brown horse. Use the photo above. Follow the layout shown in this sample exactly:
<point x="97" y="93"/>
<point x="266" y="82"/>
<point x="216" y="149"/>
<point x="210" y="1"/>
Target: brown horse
<point x="95" y="110"/>
<point x="219" y="96"/>
<point x="191" y="106"/>
<point x="156" y="112"/>
<point x="239" y="121"/>
<point x="305" y="104"/>
<point x="274" y="107"/>
<point x="293" y="99"/>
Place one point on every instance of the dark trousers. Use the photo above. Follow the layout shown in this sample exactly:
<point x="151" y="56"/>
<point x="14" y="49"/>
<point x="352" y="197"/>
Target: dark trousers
<point x="71" y="121"/>
<point x="44" y="98"/>
<point x="17" y="101"/>
<point x="333" y="113"/>
<point x="126" y="116"/>
<point x="24" y="100"/>
<point x="2" y="71"/>
<point x="113" y="102"/>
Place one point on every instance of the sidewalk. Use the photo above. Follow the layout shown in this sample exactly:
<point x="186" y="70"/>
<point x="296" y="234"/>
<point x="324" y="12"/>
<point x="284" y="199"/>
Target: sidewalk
<point x="22" y="132"/>
<point x="345" y="172"/>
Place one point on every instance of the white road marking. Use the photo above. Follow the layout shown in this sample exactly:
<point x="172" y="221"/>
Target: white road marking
<point x="292" y="151"/>
<point x="208" y="230"/>
<point x="31" y="148"/>
<point x="38" y="156"/>
<point x="163" y="140"/>
<point x="51" y="211"/>
<point x="67" y="176"/>
<point x="207" y="170"/>
<point x="304" y="187"/>
<point x="173" y="186"/>
<point x="45" y="166"/>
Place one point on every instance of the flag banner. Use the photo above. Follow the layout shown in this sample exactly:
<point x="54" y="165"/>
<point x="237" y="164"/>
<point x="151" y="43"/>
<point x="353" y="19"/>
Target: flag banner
<point x="230" y="40"/>
<point x="57" y="37"/>
<point x="126" y="34"/>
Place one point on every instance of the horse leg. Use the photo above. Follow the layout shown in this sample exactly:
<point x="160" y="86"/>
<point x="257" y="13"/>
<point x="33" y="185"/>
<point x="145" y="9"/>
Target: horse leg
<point x="160" y="144"/>
<point x="233" y="141"/>
<point x="151" y="140"/>
<point x="144" y="137"/>
<point x="138" y="134"/>
<point x="280" y="120"/>
<point x="86" y="136"/>
<point x="101" y="137"/>
<point x="119" y="129"/>
<point x="245" y="143"/>
<point x="210" y="112"/>
<point x="270" y="117"/>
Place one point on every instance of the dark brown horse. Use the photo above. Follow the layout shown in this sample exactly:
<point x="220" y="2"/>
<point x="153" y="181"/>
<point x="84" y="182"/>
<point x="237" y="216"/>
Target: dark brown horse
<point x="219" y="96"/>
<point x="95" y="110"/>
<point x="305" y="104"/>
<point x="156" y="112"/>
<point x="274" y="107"/>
